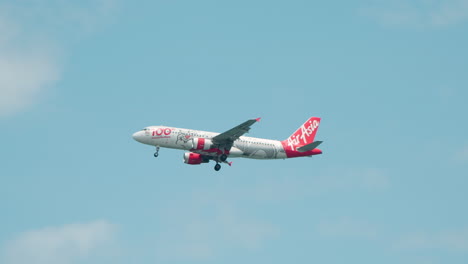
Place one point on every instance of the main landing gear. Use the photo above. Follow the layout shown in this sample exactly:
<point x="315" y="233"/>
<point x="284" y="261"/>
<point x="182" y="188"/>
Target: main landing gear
<point x="223" y="158"/>
<point x="156" y="154"/>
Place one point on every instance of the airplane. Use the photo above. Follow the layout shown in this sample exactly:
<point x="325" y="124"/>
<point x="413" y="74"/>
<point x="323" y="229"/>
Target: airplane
<point x="203" y="146"/>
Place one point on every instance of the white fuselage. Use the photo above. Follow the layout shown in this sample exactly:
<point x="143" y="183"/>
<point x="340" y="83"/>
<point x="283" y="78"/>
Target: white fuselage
<point x="189" y="139"/>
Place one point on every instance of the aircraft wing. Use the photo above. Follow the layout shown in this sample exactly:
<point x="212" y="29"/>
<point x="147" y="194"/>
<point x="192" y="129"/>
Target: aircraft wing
<point x="226" y="138"/>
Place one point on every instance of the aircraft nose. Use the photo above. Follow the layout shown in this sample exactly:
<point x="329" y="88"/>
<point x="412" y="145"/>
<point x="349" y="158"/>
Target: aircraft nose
<point x="137" y="136"/>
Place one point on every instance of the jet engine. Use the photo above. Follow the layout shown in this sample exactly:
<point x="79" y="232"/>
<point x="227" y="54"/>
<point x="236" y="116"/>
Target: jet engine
<point x="195" y="158"/>
<point x="202" y="144"/>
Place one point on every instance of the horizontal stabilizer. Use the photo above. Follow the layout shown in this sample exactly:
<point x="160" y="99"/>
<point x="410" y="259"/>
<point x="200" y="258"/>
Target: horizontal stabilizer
<point x="310" y="146"/>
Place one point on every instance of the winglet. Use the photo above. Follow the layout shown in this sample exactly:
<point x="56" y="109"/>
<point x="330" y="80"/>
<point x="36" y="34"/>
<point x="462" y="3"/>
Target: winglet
<point x="258" y="119"/>
<point x="230" y="163"/>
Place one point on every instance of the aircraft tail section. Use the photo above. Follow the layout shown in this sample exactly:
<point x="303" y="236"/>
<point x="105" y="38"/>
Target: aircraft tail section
<point x="304" y="136"/>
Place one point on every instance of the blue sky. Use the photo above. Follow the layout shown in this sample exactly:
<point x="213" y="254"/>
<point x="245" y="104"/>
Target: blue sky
<point x="388" y="78"/>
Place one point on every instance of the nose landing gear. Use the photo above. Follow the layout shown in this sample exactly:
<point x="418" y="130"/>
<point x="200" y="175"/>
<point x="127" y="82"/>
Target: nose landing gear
<point x="156" y="154"/>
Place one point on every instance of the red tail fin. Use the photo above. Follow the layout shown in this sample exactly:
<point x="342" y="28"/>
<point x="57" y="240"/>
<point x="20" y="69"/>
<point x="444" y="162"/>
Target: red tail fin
<point x="303" y="135"/>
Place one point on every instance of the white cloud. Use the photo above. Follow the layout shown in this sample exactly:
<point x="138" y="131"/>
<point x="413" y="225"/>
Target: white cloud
<point x="201" y="228"/>
<point x="450" y="12"/>
<point x="57" y="245"/>
<point x="29" y="53"/>
<point x="418" y="13"/>
<point x="292" y="186"/>
<point x="23" y="79"/>
<point x="462" y="155"/>
<point x="25" y="69"/>
<point x="370" y="179"/>
<point x="454" y="240"/>
<point x="347" y="228"/>
<point x="205" y="224"/>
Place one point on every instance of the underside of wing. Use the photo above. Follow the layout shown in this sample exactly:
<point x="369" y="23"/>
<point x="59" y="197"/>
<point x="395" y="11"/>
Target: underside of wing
<point x="228" y="137"/>
<point x="211" y="152"/>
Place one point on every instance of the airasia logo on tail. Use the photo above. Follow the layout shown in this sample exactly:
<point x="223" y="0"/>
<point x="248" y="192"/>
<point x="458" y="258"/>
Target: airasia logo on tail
<point x="303" y="133"/>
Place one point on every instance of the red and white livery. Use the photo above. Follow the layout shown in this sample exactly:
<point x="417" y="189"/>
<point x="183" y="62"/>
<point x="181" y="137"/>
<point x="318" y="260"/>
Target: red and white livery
<point x="203" y="146"/>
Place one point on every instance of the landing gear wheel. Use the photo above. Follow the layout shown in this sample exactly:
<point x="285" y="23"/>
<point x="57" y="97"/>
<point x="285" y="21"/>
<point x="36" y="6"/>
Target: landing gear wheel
<point x="223" y="157"/>
<point x="217" y="167"/>
<point x="156" y="154"/>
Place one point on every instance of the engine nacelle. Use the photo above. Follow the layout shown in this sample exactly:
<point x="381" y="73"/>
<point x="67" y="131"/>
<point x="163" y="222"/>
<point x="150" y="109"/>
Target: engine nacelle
<point x="194" y="158"/>
<point x="202" y="144"/>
